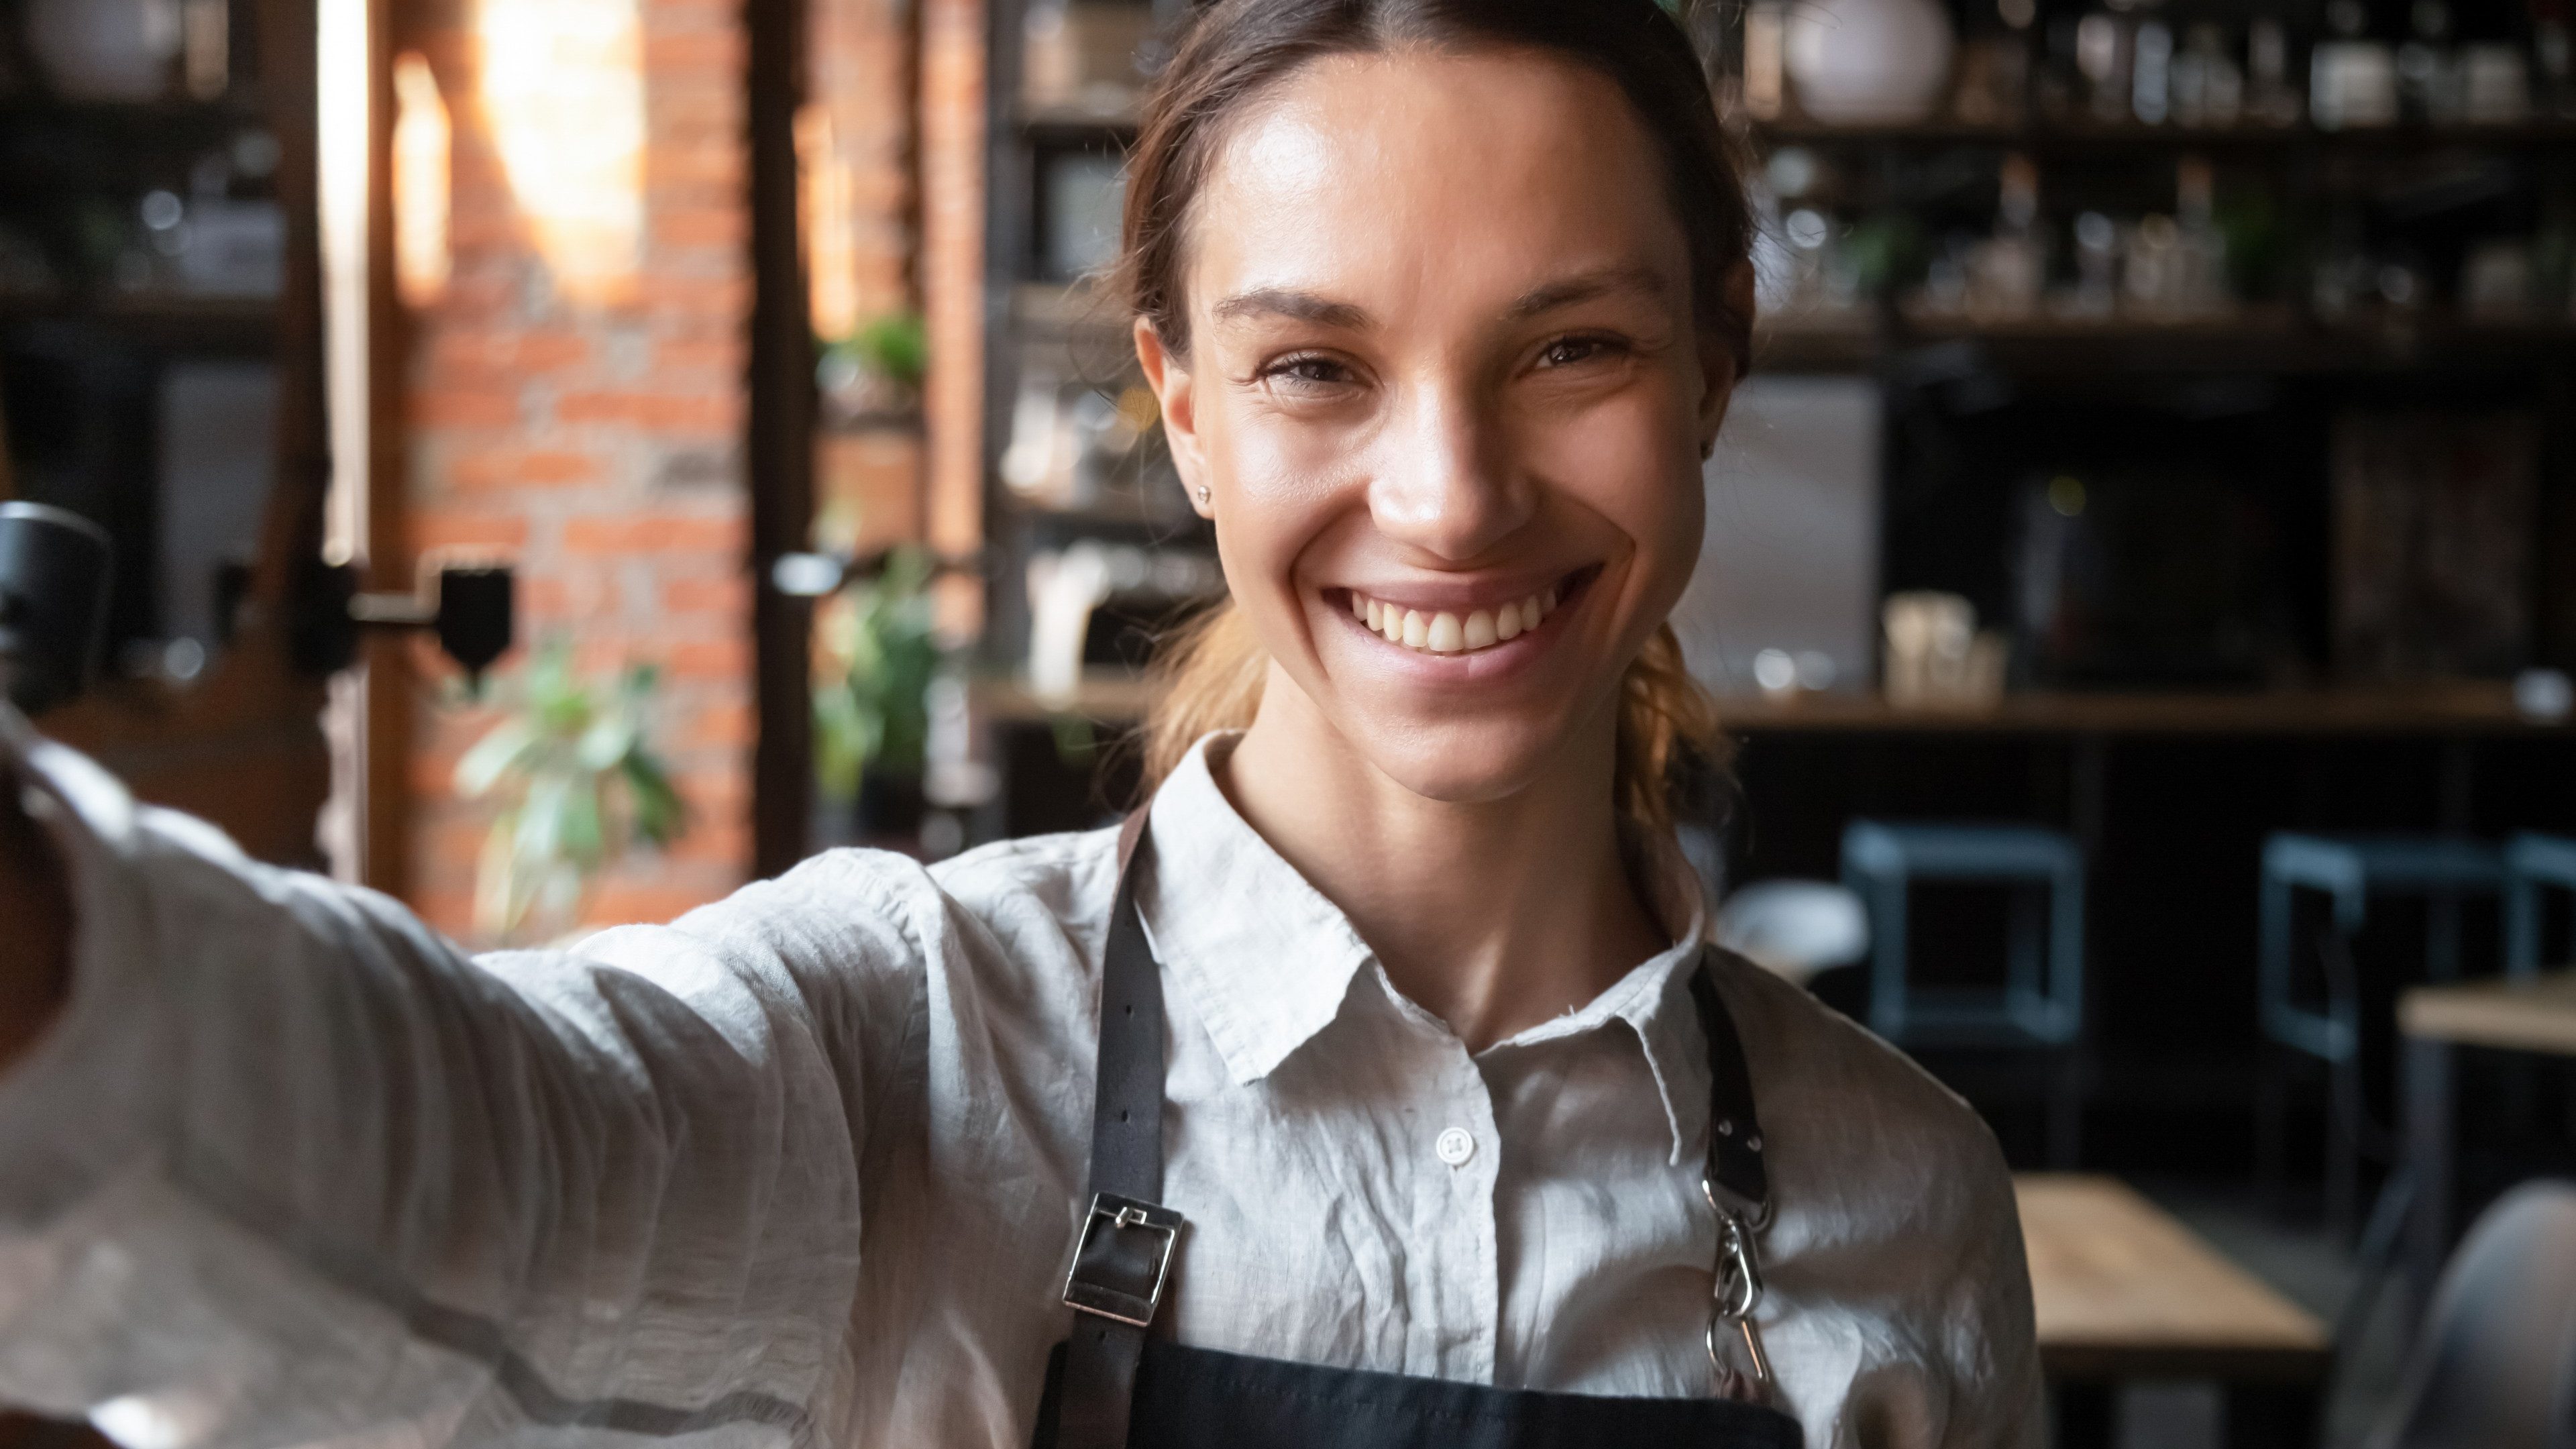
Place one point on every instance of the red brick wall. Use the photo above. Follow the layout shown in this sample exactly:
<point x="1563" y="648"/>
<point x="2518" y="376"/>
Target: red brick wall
<point x="862" y="65"/>
<point x="602" y="448"/>
<point x="865" y="74"/>
<point x="952" y="285"/>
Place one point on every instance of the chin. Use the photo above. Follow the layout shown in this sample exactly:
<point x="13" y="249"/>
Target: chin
<point x="1466" y="761"/>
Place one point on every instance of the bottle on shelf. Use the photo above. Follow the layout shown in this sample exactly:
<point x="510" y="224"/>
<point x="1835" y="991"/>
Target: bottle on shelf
<point x="2271" y="99"/>
<point x="2103" y="56"/>
<point x="2554" y="51"/>
<point x="2058" y="86"/>
<point x="2428" y="90"/>
<point x="2006" y="271"/>
<point x="2151" y="72"/>
<point x="2497" y="284"/>
<point x="2200" y="273"/>
<point x="2342" y="279"/>
<point x="2352" y="81"/>
<point x="206" y="48"/>
<point x="2208" y="89"/>
<point x="1766" y="85"/>
<point x="1994" y="69"/>
<point x="2493" y="84"/>
<point x="2097" y="268"/>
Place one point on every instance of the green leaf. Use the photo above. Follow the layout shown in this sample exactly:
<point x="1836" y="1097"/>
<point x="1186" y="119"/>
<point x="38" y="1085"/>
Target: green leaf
<point x="607" y="741"/>
<point x="493" y="756"/>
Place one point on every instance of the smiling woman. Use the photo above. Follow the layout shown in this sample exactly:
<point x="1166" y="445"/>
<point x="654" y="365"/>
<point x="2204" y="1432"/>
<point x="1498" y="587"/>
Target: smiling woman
<point x="1372" y="1087"/>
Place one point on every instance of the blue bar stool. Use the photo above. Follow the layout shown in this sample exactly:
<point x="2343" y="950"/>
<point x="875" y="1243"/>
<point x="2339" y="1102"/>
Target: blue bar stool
<point x="2040" y="1006"/>
<point x="2532" y="864"/>
<point x="2347" y="870"/>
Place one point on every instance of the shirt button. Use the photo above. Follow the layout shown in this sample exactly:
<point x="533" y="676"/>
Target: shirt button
<point x="1455" y="1147"/>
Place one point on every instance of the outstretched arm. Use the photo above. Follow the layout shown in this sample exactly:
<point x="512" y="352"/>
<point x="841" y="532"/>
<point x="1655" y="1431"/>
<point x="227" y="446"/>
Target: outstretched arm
<point x="278" y="1164"/>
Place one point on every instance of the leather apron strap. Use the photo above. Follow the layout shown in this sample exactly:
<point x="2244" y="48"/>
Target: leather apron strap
<point x="1124" y="1249"/>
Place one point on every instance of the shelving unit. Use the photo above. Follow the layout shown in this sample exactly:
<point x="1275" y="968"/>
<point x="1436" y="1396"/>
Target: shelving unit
<point x="111" y="318"/>
<point x="1044" y="326"/>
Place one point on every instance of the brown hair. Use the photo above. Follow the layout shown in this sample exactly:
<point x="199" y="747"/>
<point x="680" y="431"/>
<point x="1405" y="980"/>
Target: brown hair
<point x="1211" y="670"/>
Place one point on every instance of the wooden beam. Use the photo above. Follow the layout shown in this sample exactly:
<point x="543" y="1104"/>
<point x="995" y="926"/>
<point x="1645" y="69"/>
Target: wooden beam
<point x="780" y="445"/>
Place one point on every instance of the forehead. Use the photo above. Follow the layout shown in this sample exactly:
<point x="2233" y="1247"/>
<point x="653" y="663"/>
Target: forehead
<point x="1394" y="179"/>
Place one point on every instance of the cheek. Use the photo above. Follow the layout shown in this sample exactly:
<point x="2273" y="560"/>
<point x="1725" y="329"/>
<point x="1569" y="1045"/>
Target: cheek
<point x="1634" y="462"/>
<point x="1276" y="488"/>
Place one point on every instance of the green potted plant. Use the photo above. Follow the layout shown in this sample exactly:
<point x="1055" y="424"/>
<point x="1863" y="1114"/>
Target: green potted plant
<point x="875" y="655"/>
<point x="580" y="785"/>
<point x="875" y="374"/>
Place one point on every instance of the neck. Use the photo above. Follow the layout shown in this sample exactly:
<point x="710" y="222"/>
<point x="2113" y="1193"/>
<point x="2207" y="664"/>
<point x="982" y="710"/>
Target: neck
<point x="1493" y="915"/>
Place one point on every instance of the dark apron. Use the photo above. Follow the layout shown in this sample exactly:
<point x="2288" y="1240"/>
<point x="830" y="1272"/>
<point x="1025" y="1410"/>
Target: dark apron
<point x="1110" y="1385"/>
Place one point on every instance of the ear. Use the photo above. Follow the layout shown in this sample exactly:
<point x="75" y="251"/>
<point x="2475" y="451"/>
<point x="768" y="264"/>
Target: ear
<point x="1717" y="358"/>
<point x="1170" y="380"/>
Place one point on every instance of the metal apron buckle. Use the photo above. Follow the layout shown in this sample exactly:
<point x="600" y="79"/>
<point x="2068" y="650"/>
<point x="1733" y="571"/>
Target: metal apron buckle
<point x="1736" y="1292"/>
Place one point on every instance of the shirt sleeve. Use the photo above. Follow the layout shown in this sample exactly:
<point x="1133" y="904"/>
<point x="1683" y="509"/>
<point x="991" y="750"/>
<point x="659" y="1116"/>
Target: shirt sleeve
<point x="1995" y="1347"/>
<point x="289" y="1167"/>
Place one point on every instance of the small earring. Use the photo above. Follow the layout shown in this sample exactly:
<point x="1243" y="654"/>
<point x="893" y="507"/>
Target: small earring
<point x="1203" y="493"/>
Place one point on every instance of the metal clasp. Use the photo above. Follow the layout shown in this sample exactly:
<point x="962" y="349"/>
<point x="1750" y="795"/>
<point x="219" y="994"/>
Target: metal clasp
<point x="1735" y="1293"/>
<point x="1104" y="1280"/>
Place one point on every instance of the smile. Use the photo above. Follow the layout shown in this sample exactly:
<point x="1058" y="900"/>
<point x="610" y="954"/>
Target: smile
<point x="1461" y="630"/>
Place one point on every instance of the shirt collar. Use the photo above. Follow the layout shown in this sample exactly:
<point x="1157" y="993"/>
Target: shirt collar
<point x="1265" y="958"/>
<point x="1267" y="961"/>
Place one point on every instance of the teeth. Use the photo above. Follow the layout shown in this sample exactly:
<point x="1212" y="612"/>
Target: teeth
<point x="1442" y="632"/>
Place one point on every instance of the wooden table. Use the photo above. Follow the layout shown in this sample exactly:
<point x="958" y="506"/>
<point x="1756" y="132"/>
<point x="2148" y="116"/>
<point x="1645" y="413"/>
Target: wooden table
<point x="2525" y="1014"/>
<point x="2123" y="1291"/>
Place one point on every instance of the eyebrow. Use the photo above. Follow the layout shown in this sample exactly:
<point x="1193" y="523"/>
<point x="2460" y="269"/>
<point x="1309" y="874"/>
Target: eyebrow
<point x="1288" y="302"/>
<point x="1325" y="312"/>
<point x="1585" y="287"/>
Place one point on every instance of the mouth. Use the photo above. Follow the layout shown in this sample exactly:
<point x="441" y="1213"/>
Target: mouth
<point x="1466" y="627"/>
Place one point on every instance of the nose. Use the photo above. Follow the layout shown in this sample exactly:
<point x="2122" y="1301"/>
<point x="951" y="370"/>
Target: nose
<point x="1443" y="482"/>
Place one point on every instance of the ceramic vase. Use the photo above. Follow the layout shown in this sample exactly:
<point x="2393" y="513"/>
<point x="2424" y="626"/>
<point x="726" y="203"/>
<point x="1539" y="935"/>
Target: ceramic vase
<point x="1869" y="62"/>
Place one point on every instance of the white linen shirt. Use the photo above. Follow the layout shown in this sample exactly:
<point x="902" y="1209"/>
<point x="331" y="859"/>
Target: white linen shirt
<point x="806" y="1165"/>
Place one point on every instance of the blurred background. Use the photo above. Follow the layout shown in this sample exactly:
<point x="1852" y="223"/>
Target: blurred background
<point x="564" y="458"/>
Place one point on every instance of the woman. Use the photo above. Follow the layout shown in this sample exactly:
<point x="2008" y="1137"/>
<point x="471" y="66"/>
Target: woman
<point x="1420" y="1114"/>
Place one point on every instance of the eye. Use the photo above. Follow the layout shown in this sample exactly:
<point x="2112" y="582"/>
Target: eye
<point x="1307" y="370"/>
<point x="1571" y="351"/>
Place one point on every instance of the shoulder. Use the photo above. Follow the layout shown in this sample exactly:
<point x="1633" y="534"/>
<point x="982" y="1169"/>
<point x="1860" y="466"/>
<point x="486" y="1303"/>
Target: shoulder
<point x="877" y="912"/>
<point x="1894" y="1205"/>
<point x="1067" y="878"/>
<point x="1855" y="1124"/>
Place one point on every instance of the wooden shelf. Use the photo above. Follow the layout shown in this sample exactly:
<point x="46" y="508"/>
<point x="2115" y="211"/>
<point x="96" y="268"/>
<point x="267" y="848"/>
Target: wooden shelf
<point x="2259" y="339"/>
<point x="1117" y="696"/>
<point x="1056" y="307"/>
<point x="1115" y="122"/>
<point x="186" y="324"/>
<point x="2467" y="709"/>
<point x="1078" y="123"/>
<point x="2083" y="136"/>
<point x="1105" y="696"/>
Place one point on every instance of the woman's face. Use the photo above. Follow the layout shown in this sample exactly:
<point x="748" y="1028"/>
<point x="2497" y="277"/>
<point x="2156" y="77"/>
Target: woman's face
<point x="1445" y="398"/>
